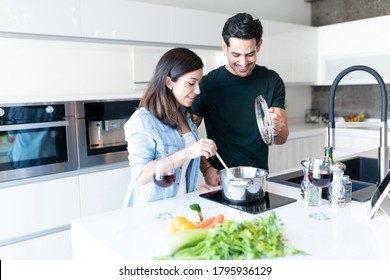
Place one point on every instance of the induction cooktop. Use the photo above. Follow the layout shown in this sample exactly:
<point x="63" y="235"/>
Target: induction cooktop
<point x="268" y="202"/>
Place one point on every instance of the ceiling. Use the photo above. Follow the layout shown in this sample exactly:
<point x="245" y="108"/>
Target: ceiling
<point x="293" y="11"/>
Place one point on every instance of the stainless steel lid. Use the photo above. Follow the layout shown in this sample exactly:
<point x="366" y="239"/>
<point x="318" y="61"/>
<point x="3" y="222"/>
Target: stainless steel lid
<point x="264" y="121"/>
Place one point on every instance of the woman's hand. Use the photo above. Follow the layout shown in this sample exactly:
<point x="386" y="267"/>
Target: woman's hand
<point x="206" y="188"/>
<point x="203" y="147"/>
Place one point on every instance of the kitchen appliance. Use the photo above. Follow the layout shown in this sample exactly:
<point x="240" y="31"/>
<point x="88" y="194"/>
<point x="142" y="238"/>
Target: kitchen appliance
<point x="267" y="202"/>
<point x="248" y="187"/>
<point x="36" y="139"/>
<point x="100" y="133"/>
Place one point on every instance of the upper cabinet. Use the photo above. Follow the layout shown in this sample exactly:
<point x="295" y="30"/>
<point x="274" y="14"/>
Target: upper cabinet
<point x="143" y="22"/>
<point x="361" y="42"/>
<point x="44" y="17"/>
<point x="112" y="19"/>
<point x="302" y="55"/>
<point x="290" y="50"/>
<point x="194" y="27"/>
<point x="126" y="20"/>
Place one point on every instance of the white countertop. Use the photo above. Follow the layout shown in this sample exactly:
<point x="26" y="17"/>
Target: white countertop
<point x="300" y="129"/>
<point x="132" y="233"/>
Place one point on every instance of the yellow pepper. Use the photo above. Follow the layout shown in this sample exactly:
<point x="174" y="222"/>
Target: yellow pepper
<point x="180" y="223"/>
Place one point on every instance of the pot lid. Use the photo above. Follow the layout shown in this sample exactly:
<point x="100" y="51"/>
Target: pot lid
<point x="264" y="121"/>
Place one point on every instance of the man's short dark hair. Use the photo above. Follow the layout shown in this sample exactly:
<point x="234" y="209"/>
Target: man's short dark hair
<point x="242" y="26"/>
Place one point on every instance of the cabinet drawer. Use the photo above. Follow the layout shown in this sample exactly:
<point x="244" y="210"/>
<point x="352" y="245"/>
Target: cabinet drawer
<point x="57" y="246"/>
<point x="39" y="206"/>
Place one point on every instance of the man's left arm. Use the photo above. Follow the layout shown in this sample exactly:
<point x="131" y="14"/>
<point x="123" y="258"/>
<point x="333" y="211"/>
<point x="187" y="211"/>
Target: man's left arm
<point x="279" y="125"/>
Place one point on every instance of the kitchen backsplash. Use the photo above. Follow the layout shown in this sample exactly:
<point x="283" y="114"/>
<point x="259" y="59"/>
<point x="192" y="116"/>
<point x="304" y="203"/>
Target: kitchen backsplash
<point x="350" y="99"/>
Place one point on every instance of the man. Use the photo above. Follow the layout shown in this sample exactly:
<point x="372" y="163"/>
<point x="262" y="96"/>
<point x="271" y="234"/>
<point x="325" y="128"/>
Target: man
<point x="227" y="101"/>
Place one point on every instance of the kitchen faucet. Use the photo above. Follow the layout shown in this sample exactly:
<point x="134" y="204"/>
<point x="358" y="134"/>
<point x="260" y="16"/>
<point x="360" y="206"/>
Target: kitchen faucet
<point x="383" y="150"/>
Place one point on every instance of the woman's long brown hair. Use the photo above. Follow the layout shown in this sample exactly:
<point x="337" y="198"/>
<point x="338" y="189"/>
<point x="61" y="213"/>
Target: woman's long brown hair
<point x="158" y="98"/>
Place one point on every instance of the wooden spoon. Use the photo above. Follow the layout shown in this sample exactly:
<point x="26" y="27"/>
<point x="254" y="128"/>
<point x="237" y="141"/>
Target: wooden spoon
<point x="224" y="165"/>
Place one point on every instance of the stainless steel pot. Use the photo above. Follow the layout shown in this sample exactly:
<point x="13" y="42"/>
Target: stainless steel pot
<point x="239" y="190"/>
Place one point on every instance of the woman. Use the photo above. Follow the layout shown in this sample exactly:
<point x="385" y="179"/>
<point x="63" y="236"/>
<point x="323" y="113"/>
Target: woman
<point x="163" y="127"/>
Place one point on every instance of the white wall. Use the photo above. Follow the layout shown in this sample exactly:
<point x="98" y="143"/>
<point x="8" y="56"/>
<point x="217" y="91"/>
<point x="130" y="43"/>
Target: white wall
<point x="298" y="99"/>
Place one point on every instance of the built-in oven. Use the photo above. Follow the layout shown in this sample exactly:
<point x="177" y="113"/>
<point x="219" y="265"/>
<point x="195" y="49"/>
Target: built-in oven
<point x="100" y="132"/>
<point x="37" y="139"/>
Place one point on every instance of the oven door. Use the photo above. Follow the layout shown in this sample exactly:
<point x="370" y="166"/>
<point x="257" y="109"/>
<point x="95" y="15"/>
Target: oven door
<point x="36" y="147"/>
<point x="100" y="132"/>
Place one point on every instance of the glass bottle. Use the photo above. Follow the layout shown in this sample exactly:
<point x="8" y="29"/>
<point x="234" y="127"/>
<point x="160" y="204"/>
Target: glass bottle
<point x="329" y="154"/>
<point x="305" y="180"/>
<point x="336" y="188"/>
<point x="348" y="188"/>
<point x="328" y="151"/>
<point x="309" y="192"/>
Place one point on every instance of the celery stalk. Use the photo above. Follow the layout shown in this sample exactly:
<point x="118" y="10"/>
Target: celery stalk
<point x="169" y="245"/>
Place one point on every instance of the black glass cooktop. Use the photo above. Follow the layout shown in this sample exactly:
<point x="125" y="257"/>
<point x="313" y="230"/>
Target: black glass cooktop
<point x="268" y="202"/>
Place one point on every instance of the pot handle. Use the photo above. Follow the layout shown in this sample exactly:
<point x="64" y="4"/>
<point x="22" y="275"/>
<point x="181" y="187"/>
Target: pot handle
<point x="240" y="181"/>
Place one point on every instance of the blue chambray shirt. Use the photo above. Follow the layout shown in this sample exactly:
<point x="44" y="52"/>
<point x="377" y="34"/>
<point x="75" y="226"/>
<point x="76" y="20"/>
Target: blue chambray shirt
<point x="149" y="139"/>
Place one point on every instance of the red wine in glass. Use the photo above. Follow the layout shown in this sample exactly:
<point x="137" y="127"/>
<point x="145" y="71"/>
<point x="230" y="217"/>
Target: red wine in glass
<point x="164" y="177"/>
<point x="320" y="175"/>
<point x="323" y="179"/>
<point x="165" y="180"/>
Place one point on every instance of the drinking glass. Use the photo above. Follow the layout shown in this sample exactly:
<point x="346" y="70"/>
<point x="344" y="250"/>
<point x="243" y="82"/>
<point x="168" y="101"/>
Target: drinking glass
<point x="164" y="177"/>
<point x="320" y="175"/>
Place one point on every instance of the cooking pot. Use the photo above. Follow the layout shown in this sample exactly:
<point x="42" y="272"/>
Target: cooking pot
<point x="246" y="186"/>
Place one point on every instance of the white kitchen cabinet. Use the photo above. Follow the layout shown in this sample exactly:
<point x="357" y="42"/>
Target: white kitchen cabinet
<point x="360" y="42"/>
<point x="126" y="20"/>
<point x="104" y="190"/>
<point x="290" y="50"/>
<point x="290" y="154"/>
<point x="350" y="141"/>
<point x="194" y="27"/>
<point x="56" y="246"/>
<point x="44" y="17"/>
<point x="31" y="208"/>
<point x="144" y="22"/>
<point x="144" y="61"/>
<point x="56" y="69"/>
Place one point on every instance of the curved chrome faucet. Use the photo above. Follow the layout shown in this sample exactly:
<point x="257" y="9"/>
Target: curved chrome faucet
<point x="383" y="150"/>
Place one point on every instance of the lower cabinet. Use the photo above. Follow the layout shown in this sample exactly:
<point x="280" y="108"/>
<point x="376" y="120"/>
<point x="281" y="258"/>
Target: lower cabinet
<point x="35" y="218"/>
<point x="103" y="191"/>
<point x="290" y="154"/>
<point x="35" y="207"/>
<point x="350" y="141"/>
<point x="55" y="246"/>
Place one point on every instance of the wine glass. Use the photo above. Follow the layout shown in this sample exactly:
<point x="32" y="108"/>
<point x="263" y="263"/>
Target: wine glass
<point x="164" y="177"/>
<point x="320" y="175"/>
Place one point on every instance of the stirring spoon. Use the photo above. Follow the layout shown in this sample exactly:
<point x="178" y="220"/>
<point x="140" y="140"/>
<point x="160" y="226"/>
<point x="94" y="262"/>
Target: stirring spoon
<point x="233" y="179"/>
<point x="224" y="165"/>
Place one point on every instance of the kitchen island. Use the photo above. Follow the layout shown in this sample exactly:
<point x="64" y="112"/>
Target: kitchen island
<point x="132" y="233"/>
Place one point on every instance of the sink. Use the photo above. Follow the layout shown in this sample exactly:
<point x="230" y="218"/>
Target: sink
<point x="362" y="171"/>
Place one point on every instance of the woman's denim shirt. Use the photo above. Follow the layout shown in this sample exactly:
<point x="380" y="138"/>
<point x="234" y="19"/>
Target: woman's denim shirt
<point x="149" y="139"/>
